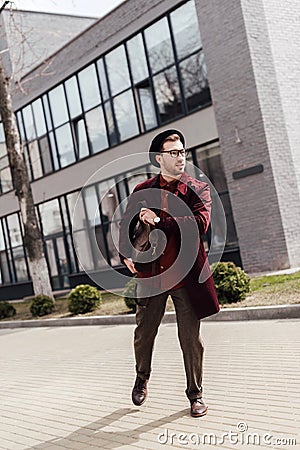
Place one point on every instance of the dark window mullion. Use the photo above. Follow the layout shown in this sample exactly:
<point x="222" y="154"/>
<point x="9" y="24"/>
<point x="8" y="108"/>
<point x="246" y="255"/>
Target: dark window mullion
<point x="177" y="66"/>
<point x="6" y="250"/>
<point x="151" y="80"/>
<point x="138" y="111"/>
<point x="10" y="251"/>
<point x="111" y="102"/>
<point x="54" y="132"/>
<point x="65" y="240"/>
<point x="24" y="250"/>
<point x="71" y="232"/>
<point x="83" y="115"/>
<point x="102" y="223"/>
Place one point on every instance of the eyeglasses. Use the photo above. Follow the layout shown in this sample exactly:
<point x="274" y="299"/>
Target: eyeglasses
<point x="176" y="153"/>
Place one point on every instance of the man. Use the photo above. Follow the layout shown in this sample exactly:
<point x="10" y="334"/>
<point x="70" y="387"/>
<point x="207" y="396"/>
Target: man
<point x="178" y="204"/>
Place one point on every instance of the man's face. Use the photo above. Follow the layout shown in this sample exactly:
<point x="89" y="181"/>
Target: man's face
<point x="171" y="166"/>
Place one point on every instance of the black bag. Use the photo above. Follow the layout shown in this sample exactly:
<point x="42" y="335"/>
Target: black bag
<point x="141" y="243"/>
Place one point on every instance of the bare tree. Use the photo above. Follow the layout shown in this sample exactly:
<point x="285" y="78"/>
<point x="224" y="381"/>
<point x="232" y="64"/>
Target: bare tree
<point x="32" y="235"/>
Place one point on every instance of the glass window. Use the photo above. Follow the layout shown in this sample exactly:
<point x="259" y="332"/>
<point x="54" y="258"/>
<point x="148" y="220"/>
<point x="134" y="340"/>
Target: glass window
<point x="89" y="87"/>
<point x="113" y="138"/>
<point x="27" y="162"/>
<point x="65" y="145"/>
<point x="47" y="112"/>
<point x="92" y="205"/>
<point x="126" y="115"/>
<point x="39" y="118"/>
<point x="14" y="230"/>
<point x="20" y="264"/>
<point x="96" y="129"/>
<point x="186" y="29"/>
<point x="103" y="79"/>
<point x="159" y="45"/>
<point x="53" y="148"/>
<point x="137" y="58"/>
<point x="20" y="125"/>
<point x="72" y="92"/>
<point x="50" y="217"/>
<point x="146" y="101"/>
<point x="45" y="154"/>
<point x="6" y="180"/>
<point x="75" y="200"/>
<point x="58" y="106"/>
<point x="210" y="162"/>
<point x="194" y="80"/>
<point x="117" y="69"/>
<point x="108" y="199"/>
<point x="82" y="246"/>
<point x="28" y="122"/>
<point x="81" y="138"/>
<point x="35" y="159"/>
<point x="3" y="151"/>
<point x="168" y="94"/>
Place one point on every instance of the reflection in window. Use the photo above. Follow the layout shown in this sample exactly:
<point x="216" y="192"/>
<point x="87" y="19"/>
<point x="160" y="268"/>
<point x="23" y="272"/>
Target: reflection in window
<point x="108" y="199"/>
<point x="113" y="138"/>
<point x="167" y="94"/>
<point x="58" y="106"/>
<point x="50" y="217"/>
<point x="28" y="122"/>
<point x="137" y="59"/>
<point x="159" y="45"/>
<point x="103" y="79"/>
<point x="126" y="115"/>
<point x="45" y="154"/>
<point x="89" y="87"/>
<point x="39" y="117"/>
<point x="96" y="129"/>
<point x="54" y="153"/>
<point x="186" y="29"/>
<point x="4" y="264"/>
<point x="76" y="209"/>
<point x="5" y="174"/>
<point x="195" y="84"/>
<point x="117" y="69"/>
<point x="73" y="97"/>
<point x="65" y="145"/>
<point x="81" y="139"/>
<point x="14" y="230"/>
<point x="35" y="159"/>
<point x="92" y="206"/>
<point x="146" y="103"/>
<point x="47" y="112"/>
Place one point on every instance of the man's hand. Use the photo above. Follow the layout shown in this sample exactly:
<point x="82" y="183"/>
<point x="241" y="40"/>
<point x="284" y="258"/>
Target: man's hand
<point x="130" y="264"/>
<point x="147" y="216"/>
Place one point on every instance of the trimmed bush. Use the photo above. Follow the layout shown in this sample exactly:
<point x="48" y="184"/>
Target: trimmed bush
<point x="41" y="305"/>
<point x="7" y="310"/>
<point x="128" y="293"/>
<point x="232" y="283"/>
<point x="83" y="299"/>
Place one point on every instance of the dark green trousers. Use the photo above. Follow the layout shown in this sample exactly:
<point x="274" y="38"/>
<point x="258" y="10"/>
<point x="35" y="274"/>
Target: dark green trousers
<point x="148" y="319"/>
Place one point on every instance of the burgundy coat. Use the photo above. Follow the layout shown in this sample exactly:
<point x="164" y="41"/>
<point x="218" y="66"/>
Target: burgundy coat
<point x="196" y="195"/>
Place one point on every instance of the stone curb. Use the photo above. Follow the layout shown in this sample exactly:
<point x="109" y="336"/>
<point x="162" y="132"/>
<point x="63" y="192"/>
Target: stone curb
<point x="226" y="314"/>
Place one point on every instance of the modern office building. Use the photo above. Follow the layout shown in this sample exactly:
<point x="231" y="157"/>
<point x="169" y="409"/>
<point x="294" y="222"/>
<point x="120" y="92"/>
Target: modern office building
<point x="225" y="73"/>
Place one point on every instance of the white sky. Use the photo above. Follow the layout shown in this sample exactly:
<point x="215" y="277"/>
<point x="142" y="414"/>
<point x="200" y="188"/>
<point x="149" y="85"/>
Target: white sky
<point x="94" y="8"/>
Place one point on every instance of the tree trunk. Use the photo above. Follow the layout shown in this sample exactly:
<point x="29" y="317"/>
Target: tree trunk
<point x="32" y="236"/>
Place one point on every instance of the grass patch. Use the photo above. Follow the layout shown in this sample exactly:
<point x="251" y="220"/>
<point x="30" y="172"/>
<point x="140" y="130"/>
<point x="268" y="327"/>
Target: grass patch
<point x="265" y="291"/>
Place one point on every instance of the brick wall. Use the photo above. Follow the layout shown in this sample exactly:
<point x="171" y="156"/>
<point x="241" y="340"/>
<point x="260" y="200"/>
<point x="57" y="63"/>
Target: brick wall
<point x="252" y="129"/>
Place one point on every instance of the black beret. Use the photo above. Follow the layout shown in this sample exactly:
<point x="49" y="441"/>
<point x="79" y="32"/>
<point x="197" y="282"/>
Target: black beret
<point x="156" y="144"/>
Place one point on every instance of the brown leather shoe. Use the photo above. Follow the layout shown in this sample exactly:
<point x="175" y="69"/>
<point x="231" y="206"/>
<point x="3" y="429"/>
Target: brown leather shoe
<point x="139" y="391"/>
<point x="198" y="407"/>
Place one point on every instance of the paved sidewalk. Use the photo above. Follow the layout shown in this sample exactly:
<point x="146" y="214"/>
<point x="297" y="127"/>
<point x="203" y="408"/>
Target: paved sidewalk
<point x="69" y="388"/>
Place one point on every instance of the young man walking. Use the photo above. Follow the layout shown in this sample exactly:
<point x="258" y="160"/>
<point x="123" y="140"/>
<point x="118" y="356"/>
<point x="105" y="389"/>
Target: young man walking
<point x="176" y="205"/>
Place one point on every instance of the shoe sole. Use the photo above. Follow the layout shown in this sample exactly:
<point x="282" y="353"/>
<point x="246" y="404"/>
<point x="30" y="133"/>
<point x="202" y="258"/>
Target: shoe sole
<point x="200" y="414"/>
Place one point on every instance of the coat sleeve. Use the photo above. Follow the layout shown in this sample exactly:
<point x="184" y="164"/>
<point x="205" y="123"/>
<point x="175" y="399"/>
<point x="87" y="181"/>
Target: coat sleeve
<point x="200" y="212"/>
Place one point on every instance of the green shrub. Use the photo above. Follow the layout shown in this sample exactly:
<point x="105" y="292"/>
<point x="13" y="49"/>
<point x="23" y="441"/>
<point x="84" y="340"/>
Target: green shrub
<point x="83" y="299"/>
<point x="6" y="310"/>
<point x="41" y="305"/>
<point x="129" y="293"/>
<point x="232" y="283"/>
